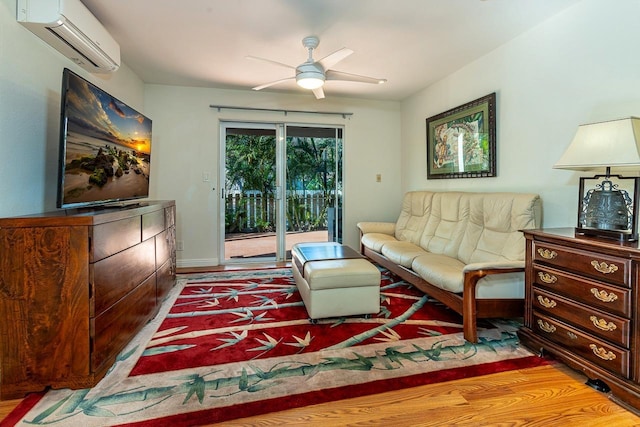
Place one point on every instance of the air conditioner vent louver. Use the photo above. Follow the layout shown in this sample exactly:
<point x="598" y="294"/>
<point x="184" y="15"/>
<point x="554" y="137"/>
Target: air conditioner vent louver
<point x="69" y="27"/>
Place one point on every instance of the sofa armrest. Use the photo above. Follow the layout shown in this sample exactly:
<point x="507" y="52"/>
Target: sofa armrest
<point x="472" y="274"/>
<point x="377" y="227"/>
<point x="498" y="265"/>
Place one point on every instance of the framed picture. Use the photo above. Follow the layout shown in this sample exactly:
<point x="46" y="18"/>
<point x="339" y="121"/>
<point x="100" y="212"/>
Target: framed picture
<point x="461" y="142"/>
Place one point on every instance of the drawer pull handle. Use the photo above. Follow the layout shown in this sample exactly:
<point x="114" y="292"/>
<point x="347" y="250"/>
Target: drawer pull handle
<point x="601" y="352"/>
<point x="547" y="278"/>
<point x="546" y="326"/>
<point x="603" y="267"/>
<point x="572" y="335"/>
<point x="603" y="324"/>
<point x="603" y="295"/>
<point x="547" y="254"/>
<point x="546" y="302"/>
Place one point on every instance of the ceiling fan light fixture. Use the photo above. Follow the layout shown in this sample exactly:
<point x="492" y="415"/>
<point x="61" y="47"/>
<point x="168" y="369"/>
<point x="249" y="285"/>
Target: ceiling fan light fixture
<point x="312" y="74"/>
<point x="311" y="79"/>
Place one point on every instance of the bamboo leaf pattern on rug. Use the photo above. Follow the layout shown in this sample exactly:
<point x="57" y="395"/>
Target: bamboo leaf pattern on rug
<point x="252" y="379"/>
<point x="229" y="339"/>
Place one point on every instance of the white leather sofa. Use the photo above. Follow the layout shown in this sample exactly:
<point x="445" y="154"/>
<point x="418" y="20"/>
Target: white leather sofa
<point x="464" y="249"/>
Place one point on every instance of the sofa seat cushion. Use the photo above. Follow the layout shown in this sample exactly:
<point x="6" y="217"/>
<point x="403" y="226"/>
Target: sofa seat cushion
<point x="402" y="253"/>
<point x="375" y="241"/>
<point x="448" y="273"/>
<point x="442" y="271"/>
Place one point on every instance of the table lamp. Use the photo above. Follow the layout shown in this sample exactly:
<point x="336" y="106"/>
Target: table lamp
<point x="607" y="203"/>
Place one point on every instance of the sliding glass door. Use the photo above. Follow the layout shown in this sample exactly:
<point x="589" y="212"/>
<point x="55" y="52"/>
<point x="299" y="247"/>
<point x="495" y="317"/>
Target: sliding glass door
<point x="282" y="185"/>
<point x="313" y="184"/>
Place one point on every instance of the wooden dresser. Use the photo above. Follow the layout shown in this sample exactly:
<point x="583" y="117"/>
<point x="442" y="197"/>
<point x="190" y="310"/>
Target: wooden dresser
<point x="75" y="288"/>
<point x="581" y="305"/>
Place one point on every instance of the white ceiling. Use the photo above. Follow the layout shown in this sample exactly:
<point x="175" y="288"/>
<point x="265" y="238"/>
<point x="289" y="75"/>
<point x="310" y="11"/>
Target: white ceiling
<point x="411" y="43"/>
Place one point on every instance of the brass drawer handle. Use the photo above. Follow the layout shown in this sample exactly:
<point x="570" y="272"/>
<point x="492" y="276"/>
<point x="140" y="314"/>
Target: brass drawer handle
<point x="546" y="302"/>
<point x="546" y="326"/>
<point x="603" y="324"/>
<point x="547" y="278"/>
<point x="602" y="353"/>
<point x="547" y="254"/>
<point x="572" y="335"/>
<point x="603" y="295"/>
<point x="603" y="267"/>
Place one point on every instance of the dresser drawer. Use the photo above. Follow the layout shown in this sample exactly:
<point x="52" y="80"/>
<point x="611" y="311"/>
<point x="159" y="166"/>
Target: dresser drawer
<point x="165" y="280"/>
<point x="163" y="247"/>
<point x="116" y="276"/>
<point x="606" y="268"/>
<point x="153" y="223"/>
<point x="612" y="299"/>
<point x="608" y="356"/>
<point x="112" y="237"/>
<point x="130" y="313"/>
<point x="612" y="328"/>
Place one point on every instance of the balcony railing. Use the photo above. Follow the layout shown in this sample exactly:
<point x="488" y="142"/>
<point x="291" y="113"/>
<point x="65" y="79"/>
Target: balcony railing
<point x="257" y="212"/>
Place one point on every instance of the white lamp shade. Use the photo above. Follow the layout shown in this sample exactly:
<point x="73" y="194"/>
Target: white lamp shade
<point x="607" y="144"/>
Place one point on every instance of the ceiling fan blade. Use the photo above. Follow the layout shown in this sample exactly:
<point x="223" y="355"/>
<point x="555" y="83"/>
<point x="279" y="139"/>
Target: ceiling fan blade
<point x="272" y="83"/>
<point x="319" y="93"/>
<point x="339" y="75"/>
<point x="335" y="57"/>
<point x="255" y="58"/>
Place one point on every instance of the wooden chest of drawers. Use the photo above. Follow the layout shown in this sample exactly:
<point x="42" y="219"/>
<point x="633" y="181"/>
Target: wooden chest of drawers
<point x="75" y="287"/>
<point x="581" y="305"/>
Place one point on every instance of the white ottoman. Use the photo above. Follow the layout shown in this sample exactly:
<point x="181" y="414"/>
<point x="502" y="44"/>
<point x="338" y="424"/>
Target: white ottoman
<point x="334" y="280"/>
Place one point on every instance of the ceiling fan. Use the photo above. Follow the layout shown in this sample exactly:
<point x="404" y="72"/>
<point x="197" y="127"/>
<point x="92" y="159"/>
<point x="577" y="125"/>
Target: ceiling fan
<point x="312" y="74"/>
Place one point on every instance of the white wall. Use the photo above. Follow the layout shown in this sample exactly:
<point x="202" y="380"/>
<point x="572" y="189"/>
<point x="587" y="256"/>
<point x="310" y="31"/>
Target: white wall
<point x="186" y="135"/>
<point x="579" y="67"/>
<point x="30" y="83"/>
<point x="185" y="139"/>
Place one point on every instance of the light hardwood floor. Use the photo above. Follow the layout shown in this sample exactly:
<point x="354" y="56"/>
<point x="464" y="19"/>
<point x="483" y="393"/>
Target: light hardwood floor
<point x="552" y="395"/>
<point x="543" y="396"/>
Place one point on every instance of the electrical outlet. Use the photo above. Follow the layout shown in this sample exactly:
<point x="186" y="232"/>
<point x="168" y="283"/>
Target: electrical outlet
<point x="179" y="245"/>
<point x="205" y="177"/>
<point x="378" y="177"/>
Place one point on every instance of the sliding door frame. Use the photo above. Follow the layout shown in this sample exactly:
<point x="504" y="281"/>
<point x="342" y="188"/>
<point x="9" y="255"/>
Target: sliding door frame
<point x="280" y="129"/>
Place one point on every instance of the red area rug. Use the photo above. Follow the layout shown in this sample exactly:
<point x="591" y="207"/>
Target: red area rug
<point x="235" y="344"/>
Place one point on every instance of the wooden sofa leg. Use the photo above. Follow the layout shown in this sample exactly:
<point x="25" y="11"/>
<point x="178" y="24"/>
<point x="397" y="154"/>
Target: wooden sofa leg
<point x="469" y="308"/>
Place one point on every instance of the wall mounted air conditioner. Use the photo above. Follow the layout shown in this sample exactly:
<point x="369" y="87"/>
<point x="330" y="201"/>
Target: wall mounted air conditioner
<point x="71" y="28"/>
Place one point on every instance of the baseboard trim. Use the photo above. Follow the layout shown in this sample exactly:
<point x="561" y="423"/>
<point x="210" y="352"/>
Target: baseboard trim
<point x="205" y="262"/>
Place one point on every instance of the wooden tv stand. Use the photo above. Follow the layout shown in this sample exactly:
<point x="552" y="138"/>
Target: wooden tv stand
<point x="75" y="287"/>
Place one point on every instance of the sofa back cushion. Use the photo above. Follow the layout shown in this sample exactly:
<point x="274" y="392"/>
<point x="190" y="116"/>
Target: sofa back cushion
<point x="472" y="227"/>
<point x="492" y="232"/>
<point x="416" y="207"/>
<point x="446" y="224"/>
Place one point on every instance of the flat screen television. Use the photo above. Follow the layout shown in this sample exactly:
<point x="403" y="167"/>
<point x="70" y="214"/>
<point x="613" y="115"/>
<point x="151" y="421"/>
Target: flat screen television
<point x="105" y="147"/>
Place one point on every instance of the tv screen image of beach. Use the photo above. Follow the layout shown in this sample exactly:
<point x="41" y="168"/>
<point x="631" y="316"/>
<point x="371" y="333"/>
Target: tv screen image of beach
<point x="106" y="147"/>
